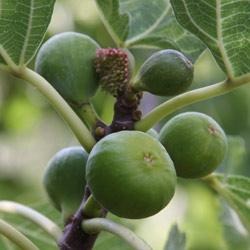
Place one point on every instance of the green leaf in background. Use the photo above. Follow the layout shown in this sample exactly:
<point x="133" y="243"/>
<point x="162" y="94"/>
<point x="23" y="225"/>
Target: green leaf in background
<point x="116" y="23"/>
<point x="147" y="24"/>
<point x="233" y="236"/>
<point x="176" y="239"/>
<point x="23" y="24"/>
<point x="31" y="231"/>
<point x="236" y="159"/>
<point x="223" y="27"/>
<point x="235" y="190"/>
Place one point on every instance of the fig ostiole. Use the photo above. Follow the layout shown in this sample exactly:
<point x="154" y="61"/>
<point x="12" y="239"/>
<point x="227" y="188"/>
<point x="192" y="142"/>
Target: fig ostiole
<point x="165" y="73"/>
<point x="66" y="61"/>
<point x="131" y="174"/>
<point x="195" y="142"/>
<point x="64" y="180"/>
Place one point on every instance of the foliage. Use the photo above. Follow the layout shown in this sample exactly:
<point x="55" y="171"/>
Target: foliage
<point x="144" y="26"/>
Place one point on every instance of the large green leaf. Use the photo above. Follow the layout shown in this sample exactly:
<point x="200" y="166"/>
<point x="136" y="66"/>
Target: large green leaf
<point x="236" y="191"/>
<point x="31" y="231"/>
<point x="223" y="25"/>
<point x="147" y="24"/>
<point x="23" y="24"/>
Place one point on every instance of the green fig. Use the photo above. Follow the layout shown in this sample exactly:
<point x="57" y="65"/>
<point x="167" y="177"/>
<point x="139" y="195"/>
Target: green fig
<point x="130" y="174"/>
<point x="66" y="61"/>
<point x="195" y="142"/>
<point x="165" y="73"/>
<point x="64" y="180"/>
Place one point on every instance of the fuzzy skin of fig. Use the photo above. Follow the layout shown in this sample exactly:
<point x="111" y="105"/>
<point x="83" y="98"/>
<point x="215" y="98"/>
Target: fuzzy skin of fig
<point x="131" y="174"/>
<point x="165" y="73"/>
<point x="195" y="142"/>
<point x="66" y="61"/>
<point x="64" y="180"/>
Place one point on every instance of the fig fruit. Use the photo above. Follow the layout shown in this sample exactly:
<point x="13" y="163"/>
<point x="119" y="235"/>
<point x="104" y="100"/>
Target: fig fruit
<point x="131" y="174"/>
<point x="66" y="61"/>
<point x="165" y="73"/>
<point x="195" y="142"/>
<point x="64" y="180"/>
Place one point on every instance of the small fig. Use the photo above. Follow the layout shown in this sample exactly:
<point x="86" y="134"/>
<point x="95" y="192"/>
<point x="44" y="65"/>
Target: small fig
<point x="128" y="179"/>
<point x="66" y="61"/>
<point x="165" y="73"/>
<point x="195" y="142"/>
<point x="64" y="180"/>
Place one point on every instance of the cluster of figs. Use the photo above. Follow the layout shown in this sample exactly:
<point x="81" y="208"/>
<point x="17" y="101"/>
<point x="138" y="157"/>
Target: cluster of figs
<point x="131" y="174"/>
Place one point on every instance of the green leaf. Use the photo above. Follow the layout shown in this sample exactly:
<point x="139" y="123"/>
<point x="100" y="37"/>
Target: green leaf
<point x="222" y="26"/>
<point x="176" y="239"/>
<point x="116" y="23"/>
<point x="236" y="159"/>
<point x="232" y="233"/>
<point x="236" y="191"/>
<point x="147" y="24"/>
<point x="33" y="232"/>
<point x="23" y="24"/>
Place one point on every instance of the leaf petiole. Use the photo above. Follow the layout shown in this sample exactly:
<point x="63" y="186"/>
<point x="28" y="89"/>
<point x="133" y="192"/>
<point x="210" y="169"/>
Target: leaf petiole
<point x="80" y="130"/>
<point x="16" y="237"/>
<point x="33" y="216"/>
<point x="184" y="99"/>
<point x="100" y="224"/>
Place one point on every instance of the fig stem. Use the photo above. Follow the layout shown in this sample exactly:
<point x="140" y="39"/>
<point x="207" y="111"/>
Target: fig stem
<point x="33" y="216"/>
<point x="89" y="114"/>
<point x="79" y="129"/>
<point x="92" y="208"/>
<point x="16" y="237"/>
<point x="100" y="224"/>
<point x="184" y="99"/>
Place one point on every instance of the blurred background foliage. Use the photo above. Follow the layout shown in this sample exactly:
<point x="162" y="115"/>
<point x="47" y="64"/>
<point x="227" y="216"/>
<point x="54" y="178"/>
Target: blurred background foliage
<point x="31" y="132"/>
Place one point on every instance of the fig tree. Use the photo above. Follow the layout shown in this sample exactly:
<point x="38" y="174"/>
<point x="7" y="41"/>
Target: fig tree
<point x="64" y="180"/>
<point x="195" y="142"/>
<point x="66" y="61"/>
<point x="165" y="73"/>
<point x="131" y="174"/>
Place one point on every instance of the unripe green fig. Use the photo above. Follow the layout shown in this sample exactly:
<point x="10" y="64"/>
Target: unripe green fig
<point x="165" y="73"/>
<point x="131" y="174"/>
<point x="195" y="142"/>
<point x="64" y="180"/>
<point x="66" y="61"/>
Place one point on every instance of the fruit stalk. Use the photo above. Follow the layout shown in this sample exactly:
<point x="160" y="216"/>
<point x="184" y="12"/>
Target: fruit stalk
<point x="89" y="114"/>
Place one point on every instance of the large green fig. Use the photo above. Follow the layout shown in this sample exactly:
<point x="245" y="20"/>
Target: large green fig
<point x="165" y="73"/>
<point x="131" y="174"/>
<point x="195" y="142"/>
<point x="64" y="180"/>
<point x="66" y="61"/>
